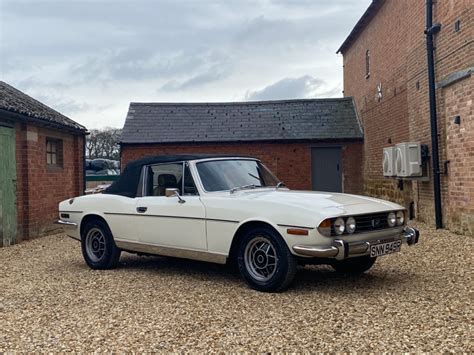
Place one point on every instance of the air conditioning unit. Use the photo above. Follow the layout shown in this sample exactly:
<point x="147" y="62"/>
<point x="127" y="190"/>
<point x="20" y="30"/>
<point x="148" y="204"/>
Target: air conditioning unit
<point x="408" y="159"/>
<point x="389" y="162"/>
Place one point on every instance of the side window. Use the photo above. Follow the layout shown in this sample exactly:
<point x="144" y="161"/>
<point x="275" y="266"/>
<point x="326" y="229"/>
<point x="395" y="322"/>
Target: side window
<point x="189" y="187"/>
<point x="163" y="176"/>
<point x="54" y="152"/>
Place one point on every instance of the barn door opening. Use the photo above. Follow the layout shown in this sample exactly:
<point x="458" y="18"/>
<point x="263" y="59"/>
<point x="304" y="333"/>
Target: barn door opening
<point x="326" y="169"/>
<point x="7" y="186"/>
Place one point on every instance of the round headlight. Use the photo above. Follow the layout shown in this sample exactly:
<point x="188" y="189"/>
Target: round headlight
<point x="351" y="225"/>
<point x="339" y="226"/>
<point x="391" y="219"/>
<point x="400" y="218"/>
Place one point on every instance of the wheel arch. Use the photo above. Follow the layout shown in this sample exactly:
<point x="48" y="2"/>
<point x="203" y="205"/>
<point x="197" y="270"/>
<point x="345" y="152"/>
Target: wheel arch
<point x="91" y="217"/>
<point x="245" y="227"/>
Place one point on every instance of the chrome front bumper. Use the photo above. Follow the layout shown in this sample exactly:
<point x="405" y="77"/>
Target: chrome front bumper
<point x="341" y="249"/>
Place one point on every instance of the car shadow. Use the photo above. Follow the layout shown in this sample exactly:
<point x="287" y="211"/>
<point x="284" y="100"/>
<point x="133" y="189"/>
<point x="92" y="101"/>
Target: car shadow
<point x="324" y="279"/>
<point x="320" y="278"/>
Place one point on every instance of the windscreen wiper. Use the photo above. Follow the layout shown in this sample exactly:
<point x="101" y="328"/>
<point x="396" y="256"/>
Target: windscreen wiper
<point x="244" y="187"/>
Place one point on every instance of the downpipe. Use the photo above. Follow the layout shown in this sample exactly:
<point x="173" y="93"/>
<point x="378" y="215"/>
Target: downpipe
<point x="430" y="31"/>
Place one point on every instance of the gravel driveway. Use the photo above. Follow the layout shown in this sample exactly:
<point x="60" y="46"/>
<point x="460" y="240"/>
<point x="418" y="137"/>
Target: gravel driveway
<point x="418" y="300"/>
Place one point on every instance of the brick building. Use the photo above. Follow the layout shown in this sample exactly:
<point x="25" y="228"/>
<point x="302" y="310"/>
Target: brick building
<point x="309" y="144"/>
<point x="41" y="163"/>
<point x="385" y="71"/>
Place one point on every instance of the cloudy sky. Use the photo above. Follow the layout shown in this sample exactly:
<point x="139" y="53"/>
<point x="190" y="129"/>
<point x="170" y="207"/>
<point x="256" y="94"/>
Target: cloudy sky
<point x="89" y="59"/>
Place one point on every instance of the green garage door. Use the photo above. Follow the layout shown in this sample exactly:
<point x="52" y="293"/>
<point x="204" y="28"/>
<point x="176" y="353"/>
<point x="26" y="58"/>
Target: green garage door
<point x="7" y="186"/>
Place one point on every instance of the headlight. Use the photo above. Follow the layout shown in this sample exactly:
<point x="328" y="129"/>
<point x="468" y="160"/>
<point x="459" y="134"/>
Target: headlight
<point x="391" y="219"/>
<point x="351" y="225"/>
<point x="400" y="218"/>
<point x="339" y="226"/>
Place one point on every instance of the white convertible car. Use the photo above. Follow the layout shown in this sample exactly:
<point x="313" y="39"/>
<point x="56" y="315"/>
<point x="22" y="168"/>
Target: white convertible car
<point x="232" y="209"/>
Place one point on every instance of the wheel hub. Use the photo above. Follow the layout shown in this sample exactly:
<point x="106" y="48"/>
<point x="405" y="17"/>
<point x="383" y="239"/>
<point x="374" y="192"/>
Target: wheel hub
<point x="95" y="244"/>
<point x="260" y="258"/>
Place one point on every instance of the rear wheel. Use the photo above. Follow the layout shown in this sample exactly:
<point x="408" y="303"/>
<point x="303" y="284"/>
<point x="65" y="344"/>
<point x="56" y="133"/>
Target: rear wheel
<point x="98" y="246"/>
<point x="265" y="261"/>
<point x="356" y="265"/>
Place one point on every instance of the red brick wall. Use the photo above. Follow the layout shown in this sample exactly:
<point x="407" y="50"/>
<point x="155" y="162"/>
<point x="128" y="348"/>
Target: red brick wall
<point x="458" y="101"/>
<point x="291" y="162"/>
<point x="40" y="187"/>
<point x="397" y="45"/>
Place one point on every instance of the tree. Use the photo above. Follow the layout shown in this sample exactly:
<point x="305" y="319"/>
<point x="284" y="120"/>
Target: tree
<point x="103" y="143"/>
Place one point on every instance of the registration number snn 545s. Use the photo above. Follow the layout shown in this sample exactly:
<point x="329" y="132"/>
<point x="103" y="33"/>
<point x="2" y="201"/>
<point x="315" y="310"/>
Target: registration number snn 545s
<point x="385" y="248"/>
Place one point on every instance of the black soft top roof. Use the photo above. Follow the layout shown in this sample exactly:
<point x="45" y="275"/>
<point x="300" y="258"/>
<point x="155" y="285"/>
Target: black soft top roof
<point x="127" y="184"/>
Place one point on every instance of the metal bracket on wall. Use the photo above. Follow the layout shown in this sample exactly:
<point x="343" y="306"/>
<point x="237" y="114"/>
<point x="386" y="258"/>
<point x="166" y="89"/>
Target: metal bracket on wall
<point x="446" y="165"/>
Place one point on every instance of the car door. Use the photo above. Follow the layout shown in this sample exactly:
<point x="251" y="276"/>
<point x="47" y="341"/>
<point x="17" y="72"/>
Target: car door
<point x="176" y="222"/>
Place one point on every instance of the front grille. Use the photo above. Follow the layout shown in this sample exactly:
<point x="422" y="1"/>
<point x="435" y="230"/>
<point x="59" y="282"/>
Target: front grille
<point x="366" y="222"/>
<point x="370" y="222"/>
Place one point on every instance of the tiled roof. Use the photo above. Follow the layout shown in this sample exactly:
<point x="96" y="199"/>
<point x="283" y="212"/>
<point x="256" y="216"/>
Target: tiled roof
<point x="15" y="101"/>
<point x="241" y="121"/>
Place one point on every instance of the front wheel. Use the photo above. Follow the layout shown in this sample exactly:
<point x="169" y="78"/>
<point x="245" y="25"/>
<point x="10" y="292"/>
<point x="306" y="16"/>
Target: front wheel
<point x="356" y="265"/>
<point x="98" y="246"/>
<point x="265" y="261"/>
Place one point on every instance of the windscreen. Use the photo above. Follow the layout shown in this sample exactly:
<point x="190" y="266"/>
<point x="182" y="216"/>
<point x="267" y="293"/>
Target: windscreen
<point x="222" y="175"/>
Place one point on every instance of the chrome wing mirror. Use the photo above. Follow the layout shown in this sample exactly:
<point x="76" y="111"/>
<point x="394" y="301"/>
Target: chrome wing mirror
<point x="173" y="192"/>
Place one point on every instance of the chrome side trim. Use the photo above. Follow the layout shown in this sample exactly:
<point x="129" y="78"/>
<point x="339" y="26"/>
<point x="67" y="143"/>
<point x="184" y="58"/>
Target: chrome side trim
<point x="169" y="251"/>
<point x="164" y="216"/>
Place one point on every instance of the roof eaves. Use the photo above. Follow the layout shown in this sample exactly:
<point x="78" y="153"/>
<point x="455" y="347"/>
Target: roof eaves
<point x="234" y="103"/>
<point x="360" y="25"/>
<point x="45" y="122"/>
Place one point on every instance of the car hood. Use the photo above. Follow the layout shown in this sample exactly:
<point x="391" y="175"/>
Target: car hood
<point x="314" y="200"/>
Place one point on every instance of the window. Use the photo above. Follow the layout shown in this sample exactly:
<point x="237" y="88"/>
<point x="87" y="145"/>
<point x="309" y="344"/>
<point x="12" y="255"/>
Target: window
<point x="169" y="176"/>
<point x="54" y="152"/>
<point x="367" y="63"/>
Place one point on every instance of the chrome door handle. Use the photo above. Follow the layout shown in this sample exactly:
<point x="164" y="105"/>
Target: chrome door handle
<point x="141" y="209"/>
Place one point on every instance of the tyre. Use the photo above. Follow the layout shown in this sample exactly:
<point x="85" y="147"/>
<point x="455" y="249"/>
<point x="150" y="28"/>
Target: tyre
<point x="356" y="265"/>
<point x="98" y="246"/>
<point x="264" y="260"/>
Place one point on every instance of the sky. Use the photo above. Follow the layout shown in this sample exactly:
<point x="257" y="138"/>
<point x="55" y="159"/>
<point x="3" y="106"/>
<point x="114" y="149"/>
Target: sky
<point x="89" y="59"/>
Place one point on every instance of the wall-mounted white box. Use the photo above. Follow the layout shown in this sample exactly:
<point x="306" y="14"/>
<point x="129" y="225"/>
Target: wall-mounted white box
<point x="408" y="159"/>
<point x="389" y="162"/>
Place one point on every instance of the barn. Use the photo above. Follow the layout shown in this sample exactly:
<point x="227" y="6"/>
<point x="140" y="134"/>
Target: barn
<point x="310" y="144"/>
<point x="41" y="163"/>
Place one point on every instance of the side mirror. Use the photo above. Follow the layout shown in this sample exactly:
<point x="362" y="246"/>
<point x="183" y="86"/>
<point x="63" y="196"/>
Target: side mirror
<point x="173" y="192"/>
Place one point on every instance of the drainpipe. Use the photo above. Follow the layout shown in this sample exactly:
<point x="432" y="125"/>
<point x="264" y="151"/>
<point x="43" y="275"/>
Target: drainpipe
<point x="430" y="31"/>
<point x="84" y="182"/>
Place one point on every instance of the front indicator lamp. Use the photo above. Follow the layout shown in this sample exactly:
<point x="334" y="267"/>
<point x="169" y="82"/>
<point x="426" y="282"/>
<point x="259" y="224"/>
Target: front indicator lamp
<point x="339" y="226"/>
<point x="350" y="225"/>
<point x="325" y="227"/>
<point x="391" y="219"/>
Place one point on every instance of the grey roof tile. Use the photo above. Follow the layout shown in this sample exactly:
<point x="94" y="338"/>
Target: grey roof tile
<point x="13" y="100"/>
<point x="241" y="121"/>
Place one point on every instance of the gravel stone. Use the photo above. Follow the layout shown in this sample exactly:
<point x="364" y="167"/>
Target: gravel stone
<point x="416" y="301"/>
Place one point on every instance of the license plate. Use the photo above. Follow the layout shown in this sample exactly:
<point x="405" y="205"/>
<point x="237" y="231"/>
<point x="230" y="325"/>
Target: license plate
<point x="385" y="248"/>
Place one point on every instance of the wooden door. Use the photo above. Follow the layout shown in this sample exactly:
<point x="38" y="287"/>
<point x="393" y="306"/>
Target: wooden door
<point x="7" y="186"/>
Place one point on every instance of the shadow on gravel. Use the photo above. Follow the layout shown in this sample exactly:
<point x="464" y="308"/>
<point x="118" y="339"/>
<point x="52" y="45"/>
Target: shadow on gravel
<point x="168" y="266"/>
<point x="307" y="279"/>
<point x="324" y="279"/>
